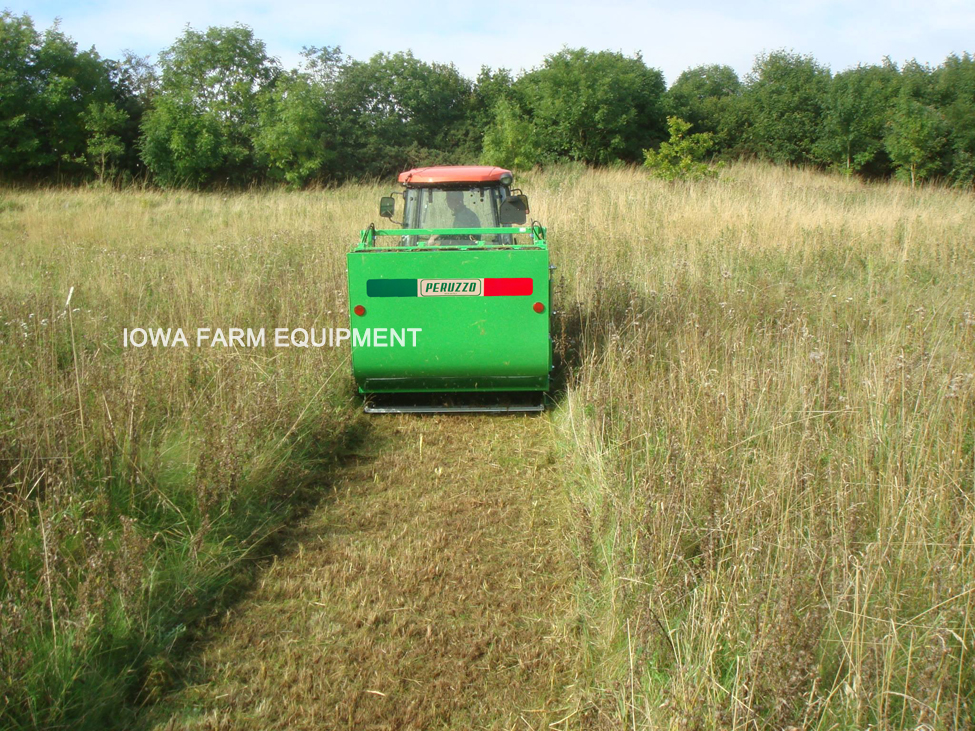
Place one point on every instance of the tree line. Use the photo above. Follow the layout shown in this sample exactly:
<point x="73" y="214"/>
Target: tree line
<point x="217" y="109"/>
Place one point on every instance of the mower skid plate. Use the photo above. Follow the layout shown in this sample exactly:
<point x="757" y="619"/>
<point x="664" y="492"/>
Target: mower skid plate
<point x="453" y="404"/>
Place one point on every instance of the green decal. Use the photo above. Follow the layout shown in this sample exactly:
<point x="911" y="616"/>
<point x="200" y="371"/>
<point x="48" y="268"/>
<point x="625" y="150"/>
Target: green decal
<point x="391" y="288"/>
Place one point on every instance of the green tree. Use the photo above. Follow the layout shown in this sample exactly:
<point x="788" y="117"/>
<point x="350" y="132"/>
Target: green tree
<point x="682" y="156"/>
<point x="136" y="82"/>
<point x="18" y="47"/>
<point x="916" y="136"/>
<point x="394" y="111"/>
<point x="182" y="145"/>
<point x="510" y="142"/>
<point x="205" y="115"/>
<point x="594" y="107"/>
<point x="297" y="139"/>
<point x="490" y="87"/>
<point x="709" y="97"/>
<point x="46" y="87"/>
<point x="785" y="98"/>
<point x="953" y="85"/>
<point x="103" y="122"/>
<point x="856" y="110"/>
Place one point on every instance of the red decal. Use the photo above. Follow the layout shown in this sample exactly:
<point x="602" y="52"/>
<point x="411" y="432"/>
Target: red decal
<point x="508" y="287"/>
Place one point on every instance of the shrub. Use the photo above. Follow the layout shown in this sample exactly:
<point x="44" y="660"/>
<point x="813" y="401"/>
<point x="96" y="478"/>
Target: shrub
<point x="682" y="156"/>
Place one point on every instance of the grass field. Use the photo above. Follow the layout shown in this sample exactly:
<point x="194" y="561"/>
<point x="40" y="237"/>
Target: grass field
<point x="764" y="436"/>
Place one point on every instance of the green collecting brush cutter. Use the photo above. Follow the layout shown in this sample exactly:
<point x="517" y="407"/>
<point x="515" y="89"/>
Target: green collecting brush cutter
<point x="456" y="302"/>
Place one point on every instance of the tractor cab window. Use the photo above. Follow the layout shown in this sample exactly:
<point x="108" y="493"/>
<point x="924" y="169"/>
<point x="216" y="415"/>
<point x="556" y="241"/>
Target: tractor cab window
<point x="454" y="208"/>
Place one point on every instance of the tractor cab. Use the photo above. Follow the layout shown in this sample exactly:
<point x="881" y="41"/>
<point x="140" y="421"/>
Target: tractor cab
<point x="454" y="302"/>
<point x="456" y="197"/>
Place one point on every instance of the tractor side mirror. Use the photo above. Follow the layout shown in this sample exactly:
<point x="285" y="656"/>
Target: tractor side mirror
<point x="386" y="207"/>
<point x="514" y="210"/>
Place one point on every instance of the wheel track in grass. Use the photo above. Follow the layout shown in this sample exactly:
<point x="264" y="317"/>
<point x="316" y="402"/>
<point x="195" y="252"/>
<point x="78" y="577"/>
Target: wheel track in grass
<point x="432" y="590"/>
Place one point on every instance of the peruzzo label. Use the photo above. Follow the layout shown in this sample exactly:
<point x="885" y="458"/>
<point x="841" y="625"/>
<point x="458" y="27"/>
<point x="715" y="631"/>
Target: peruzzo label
<point x="450" y="287"/>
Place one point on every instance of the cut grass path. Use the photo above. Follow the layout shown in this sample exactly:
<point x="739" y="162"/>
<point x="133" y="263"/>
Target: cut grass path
<point x="433" y="589"/>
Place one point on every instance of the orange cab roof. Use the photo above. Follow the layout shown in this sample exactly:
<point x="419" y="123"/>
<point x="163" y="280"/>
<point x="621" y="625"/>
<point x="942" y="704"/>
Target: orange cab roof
<point x="453" y="174"/>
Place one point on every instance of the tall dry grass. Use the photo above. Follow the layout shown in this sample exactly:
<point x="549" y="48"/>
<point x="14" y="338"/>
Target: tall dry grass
<point x="134" y="482"/>
<point x="766" y="412"/>
<point x="769" y="414"/>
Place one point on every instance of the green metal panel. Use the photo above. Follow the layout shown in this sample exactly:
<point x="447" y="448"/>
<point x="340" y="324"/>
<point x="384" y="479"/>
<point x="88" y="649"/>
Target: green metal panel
<point x="367" y="237"/>
<point x="478" y="330"/>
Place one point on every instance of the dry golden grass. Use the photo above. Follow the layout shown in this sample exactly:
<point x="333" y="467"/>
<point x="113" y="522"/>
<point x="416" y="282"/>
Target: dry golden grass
<point x="765" y="428"/>
<point x="770" y="415"/>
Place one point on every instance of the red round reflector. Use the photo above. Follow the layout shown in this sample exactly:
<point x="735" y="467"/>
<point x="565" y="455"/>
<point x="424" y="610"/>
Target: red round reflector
<point x="538" y="307"/>
<point x="359" y="310"/>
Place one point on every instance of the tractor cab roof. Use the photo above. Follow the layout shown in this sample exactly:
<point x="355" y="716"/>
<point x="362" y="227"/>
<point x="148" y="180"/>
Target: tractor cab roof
<point x="453" y="174"/>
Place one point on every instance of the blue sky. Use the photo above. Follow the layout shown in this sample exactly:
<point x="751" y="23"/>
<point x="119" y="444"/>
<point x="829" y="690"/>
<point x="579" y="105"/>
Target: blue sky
<point x="518" y="35"/>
